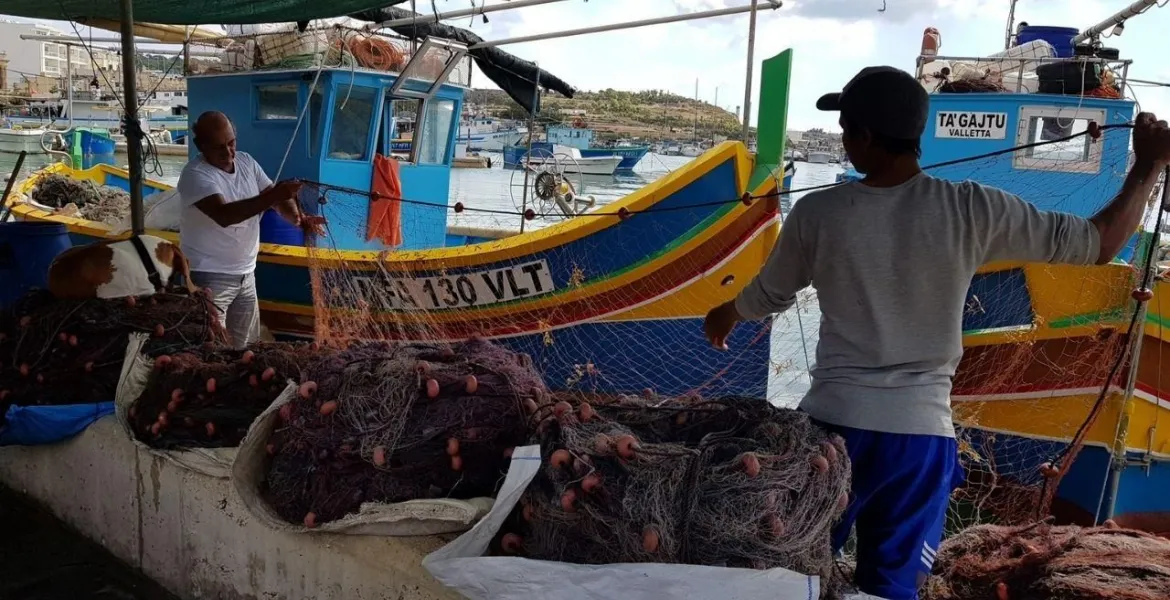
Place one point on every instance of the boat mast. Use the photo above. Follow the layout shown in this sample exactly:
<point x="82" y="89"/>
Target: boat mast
<point x="1011" y="23"/>
<point x="747" y="86"/>
<point x="695" y="129"/>
<point x="69" y="84"/>
<point x="133" y="128"/>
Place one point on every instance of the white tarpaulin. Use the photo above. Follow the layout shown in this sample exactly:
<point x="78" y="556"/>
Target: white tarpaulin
<point x="462" y="566"/>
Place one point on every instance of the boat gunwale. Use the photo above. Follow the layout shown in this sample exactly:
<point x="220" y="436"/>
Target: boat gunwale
<point x="491" y="251"/>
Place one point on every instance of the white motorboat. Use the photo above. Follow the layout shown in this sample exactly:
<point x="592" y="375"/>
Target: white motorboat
<point x="691" y="150"/>
<point x="819" y="158"/>
<point x="569" y="160"/>
<point x="21" y="140"/>
<point x="487" y="133"/>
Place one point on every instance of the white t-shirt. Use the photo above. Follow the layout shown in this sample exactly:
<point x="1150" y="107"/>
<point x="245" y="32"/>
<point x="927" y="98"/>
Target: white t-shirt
<point x="207" y="246"/>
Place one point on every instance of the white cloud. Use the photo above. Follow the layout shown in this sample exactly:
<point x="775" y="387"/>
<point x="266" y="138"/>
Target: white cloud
<point x="831" y="39"/>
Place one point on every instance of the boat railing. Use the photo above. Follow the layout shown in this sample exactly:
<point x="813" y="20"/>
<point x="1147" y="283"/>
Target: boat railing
<point x="285" y="47"/>
<point x="1023" y="64"/>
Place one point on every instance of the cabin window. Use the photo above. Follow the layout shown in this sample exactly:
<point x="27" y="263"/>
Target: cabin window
<point x="436" y="131"/>
<point x="398" y="124"/>
<point x="276" y="102"/>
<point x="1045" y="126"/>
<point x="353" y="110"/>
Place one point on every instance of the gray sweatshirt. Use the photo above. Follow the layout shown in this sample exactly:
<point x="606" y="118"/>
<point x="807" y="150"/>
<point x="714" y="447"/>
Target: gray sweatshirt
<point x="891" y="267"/>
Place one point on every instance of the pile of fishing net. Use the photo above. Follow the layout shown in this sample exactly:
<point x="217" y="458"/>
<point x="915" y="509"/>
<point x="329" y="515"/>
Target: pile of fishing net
<point x="381" y="422"/>
<point x="82" y="198"/>
<point x="732" y="482"/>
<point x="56" y="352"/>
<point x="1045" y="562"/>
<point x="207" y="397"/>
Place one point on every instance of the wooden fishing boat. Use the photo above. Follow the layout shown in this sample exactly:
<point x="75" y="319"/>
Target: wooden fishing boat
<point x="610" y="299"/>
<point x="1043" y="378"/>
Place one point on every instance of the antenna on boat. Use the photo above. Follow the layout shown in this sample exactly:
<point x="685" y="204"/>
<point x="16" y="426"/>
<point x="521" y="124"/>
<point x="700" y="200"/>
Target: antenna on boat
<point x="747" y="86"/>
<point x="1117" y="21"/>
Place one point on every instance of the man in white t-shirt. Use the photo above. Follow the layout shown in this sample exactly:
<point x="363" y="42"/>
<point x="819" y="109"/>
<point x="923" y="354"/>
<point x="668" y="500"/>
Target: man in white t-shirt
<point x="224" y="193"/>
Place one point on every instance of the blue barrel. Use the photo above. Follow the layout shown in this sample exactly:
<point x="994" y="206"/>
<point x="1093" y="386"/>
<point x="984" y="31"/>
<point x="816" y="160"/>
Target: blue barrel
<point x="275" y="229"/>
<point x="1059" y="37"/>
<point x="26" y="251"/>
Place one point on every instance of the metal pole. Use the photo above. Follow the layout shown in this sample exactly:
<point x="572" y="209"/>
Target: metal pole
<point x="695" y="129"/>
<point x="186" y="59"/>
<point x="1132" y="10"/>
<point x="1118" y="462"/>
<point x="455" y="14"/>
<point x="133" y="127"/>
<point x="528" y="153"/>
<point x="772" y="4"/>
<point x="1007" y="38"/>
<point x="747" y="86"/>
<point x="8" y="186"/>
<point x="69" y="85"/>
<point x="65" y="39"/>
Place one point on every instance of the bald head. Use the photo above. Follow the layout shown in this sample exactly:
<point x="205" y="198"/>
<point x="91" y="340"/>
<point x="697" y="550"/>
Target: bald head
<point x="215" y="138"/>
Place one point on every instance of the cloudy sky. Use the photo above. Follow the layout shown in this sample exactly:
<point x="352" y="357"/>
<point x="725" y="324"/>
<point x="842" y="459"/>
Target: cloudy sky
<point x="832" y="39"/>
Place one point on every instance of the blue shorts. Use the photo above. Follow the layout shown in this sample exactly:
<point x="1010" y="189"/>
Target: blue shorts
<point x="901" y="488"/>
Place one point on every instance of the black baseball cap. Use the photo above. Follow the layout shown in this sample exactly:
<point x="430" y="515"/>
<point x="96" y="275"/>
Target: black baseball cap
<point x="885" y="100"/>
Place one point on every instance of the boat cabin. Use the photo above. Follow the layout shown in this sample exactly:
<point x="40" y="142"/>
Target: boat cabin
<point x="574" y="137"/>
<point x="970" y="134"/>
<point x="333" y="126"/>
<point x="1021" y="126"/>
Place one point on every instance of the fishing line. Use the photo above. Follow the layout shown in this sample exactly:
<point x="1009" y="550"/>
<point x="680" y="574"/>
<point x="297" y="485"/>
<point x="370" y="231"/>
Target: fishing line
<point x="746" y="198"/>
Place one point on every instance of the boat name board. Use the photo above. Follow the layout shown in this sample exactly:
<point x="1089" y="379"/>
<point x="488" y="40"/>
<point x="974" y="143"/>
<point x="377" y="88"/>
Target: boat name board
<point x="465" y="290"/>
<point x="971" y="125"/>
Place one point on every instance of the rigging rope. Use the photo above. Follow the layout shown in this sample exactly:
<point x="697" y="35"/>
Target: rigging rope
<point x="746" y="198"/>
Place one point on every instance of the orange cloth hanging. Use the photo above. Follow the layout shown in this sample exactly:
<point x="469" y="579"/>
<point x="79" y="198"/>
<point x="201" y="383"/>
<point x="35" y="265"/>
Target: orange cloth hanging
<point x="385" y="219"/>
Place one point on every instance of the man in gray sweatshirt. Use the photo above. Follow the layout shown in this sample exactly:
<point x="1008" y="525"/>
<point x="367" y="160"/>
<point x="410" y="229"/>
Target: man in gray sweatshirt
<point x="891" y="258"/>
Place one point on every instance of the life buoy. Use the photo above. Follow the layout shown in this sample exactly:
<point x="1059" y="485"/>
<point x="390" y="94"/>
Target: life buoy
<point x="579" y="123"/>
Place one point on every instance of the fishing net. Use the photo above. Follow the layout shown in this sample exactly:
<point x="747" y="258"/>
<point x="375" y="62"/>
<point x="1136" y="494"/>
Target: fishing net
<point x="731" y="482"/>
<point x="1046" y="366"/>
<point x="1040" y="387"/>
<point x="82" y="198"/>
<point x="207" y="397"/>
<point x="339" y="44"/>
<point x="1044" y="561"/>
<point x="382" y="422"/>
<point x="57" y="352"/>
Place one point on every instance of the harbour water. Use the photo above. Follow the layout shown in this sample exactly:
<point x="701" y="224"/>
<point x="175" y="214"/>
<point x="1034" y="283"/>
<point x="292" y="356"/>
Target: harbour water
<point x="498" y="189"/>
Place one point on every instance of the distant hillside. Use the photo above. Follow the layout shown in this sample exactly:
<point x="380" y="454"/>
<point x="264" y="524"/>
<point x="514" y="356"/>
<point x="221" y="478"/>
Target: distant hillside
<point x="649" y="114"/>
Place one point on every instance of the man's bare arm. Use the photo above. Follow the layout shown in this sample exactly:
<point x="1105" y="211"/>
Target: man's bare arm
<point x="1119" y="219"/>
<point x="288" y="208"/>
<point x="226" y="214"/>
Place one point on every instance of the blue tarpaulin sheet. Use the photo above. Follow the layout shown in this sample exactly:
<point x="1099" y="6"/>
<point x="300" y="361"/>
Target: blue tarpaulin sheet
<point x="37" y="425"/>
